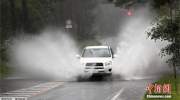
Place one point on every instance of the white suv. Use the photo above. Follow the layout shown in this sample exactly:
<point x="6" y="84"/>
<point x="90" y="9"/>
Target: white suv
<point x="97" y="59"/>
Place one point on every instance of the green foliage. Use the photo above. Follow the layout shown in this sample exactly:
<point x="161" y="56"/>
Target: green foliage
<point x="122" y="2"/>
<point x="157" y="4"/>
<point x="4" y="70"/>
<point x="168" y="30"/>
<point x="32" y="16"/>
<point x="170" y="80"/>
<point x="160" y="3"/>
<point x="165" y="29"/>
<point x="128" y="3"/>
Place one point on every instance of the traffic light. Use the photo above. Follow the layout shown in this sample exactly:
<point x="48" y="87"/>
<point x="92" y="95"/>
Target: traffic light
<point x="129" y="13"/>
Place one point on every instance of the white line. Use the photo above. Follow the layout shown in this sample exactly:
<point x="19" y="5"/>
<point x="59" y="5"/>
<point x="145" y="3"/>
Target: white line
<point x="23" y="91"/>
<point x="117" y="94"/>
<point x="15" y="95"/>
<point x="34" y="90"/>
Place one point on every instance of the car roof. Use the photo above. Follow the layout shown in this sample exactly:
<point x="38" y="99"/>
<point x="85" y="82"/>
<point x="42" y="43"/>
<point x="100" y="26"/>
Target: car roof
<point x="90" y="47"/>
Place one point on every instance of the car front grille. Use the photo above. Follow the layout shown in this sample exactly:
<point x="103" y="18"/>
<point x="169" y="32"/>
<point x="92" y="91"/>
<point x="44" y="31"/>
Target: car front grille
<point x="94" y="67"/>
<point x="94" y="64"/>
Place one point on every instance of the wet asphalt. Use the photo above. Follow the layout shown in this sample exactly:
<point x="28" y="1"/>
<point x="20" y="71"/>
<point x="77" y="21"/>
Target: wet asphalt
<point x="97" y="89"/>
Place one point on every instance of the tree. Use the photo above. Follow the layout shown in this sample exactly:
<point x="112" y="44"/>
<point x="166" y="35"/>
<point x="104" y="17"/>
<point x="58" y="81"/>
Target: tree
<point x="127" y="3"/>
<point x="167" y="29"/>
<point x="32" y="16"/>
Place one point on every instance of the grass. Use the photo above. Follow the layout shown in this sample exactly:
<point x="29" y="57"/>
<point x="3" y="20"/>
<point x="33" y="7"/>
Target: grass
<point x="4" y="70"/>
<point x="170" y="80"/>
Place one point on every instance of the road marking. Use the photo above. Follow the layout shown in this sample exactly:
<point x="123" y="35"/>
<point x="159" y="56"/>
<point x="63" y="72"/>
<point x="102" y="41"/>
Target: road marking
<point x="32" y="91"/>
<point x="117" y="94"/>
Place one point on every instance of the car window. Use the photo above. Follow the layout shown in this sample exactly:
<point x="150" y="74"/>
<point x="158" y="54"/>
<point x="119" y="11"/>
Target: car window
<point x="96" y="52"/>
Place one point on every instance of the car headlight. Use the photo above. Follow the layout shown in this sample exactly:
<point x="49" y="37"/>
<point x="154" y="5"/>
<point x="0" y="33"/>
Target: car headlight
<point x="108" y="63"/>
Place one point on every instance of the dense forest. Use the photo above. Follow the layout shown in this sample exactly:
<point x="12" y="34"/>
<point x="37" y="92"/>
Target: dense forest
<point x="31" y="16"/>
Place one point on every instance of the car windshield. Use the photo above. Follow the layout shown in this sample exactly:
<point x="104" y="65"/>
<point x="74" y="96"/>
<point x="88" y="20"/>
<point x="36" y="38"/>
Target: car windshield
<point x="96" y="52"/>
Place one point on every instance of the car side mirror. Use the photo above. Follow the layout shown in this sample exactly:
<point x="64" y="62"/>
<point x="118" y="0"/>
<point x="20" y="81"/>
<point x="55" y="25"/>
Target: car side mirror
<point x="78" y="56"/>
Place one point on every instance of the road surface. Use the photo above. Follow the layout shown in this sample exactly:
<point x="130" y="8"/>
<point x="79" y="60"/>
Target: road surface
<point x="14" y="84"/>
<point x="97" y="90"/>
<point x="86" y="90"/>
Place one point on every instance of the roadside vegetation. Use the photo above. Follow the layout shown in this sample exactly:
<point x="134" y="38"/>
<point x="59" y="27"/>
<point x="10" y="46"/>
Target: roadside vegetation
<point x="170" y="80"/>
<point x="30" y="17"/>
<point x="20" y="17"/>
<point x="166" y="28"/>
<point x="4" y="70"/>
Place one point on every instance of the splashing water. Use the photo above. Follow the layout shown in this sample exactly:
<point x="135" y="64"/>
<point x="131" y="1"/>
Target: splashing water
<point x="137" y="55"/>
<point x="50" y="54"/>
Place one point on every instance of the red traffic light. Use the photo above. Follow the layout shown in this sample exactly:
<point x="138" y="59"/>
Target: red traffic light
<point x="129" y="13"/>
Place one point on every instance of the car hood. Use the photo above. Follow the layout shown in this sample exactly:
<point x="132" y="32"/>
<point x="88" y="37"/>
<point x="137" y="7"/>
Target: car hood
<point x="93" y="60"/>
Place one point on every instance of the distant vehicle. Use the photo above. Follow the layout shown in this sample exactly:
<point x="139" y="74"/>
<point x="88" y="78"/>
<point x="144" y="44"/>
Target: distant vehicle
<point x="97" y="59"/>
